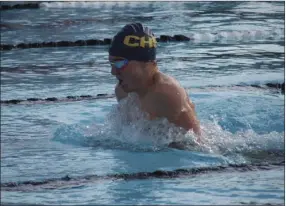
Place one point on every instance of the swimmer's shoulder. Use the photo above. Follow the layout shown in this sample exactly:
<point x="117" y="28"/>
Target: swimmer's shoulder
<point x="161" y="78"/>
<point x="167" y="84"/>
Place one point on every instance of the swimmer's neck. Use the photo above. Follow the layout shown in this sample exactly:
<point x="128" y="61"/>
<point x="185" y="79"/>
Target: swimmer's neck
<point x="150" y="81"/>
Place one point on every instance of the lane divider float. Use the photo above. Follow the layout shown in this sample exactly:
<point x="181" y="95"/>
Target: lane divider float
<point x="279" y="86"/>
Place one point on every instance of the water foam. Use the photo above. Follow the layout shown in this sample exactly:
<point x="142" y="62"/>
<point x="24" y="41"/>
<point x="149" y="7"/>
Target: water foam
<point x="94" y="5"/>
<point x="245" y="142"/>
<point x="117" y="132"/>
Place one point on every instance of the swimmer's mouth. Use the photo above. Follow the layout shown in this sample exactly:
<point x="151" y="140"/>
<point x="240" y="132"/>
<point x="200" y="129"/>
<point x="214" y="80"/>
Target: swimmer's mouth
<point x="120" y="80"/>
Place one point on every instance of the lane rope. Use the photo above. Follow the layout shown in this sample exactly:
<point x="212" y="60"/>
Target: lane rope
<point x="20" y="6"/>
<point x="279" y="86"/>
<point x="55" y="99"/>
<point x="229" y="37"/>
<point x="89" y="42"/>
<point x="55" y="183"/>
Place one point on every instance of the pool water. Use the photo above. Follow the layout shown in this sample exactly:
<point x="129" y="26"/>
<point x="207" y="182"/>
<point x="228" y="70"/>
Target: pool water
<point x="84" y="153"/>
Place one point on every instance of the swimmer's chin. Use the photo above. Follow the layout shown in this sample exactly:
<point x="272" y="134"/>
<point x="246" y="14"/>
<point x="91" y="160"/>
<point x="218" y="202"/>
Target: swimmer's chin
<point x="123" y="86"/>
<point x="126" y="88"/>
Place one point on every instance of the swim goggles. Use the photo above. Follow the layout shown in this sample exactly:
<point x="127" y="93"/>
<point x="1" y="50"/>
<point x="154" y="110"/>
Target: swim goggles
<point x="119" y="64"/>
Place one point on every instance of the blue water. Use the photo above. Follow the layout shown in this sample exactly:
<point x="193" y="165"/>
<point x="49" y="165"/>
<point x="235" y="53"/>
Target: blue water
<point x="233" y="43"/>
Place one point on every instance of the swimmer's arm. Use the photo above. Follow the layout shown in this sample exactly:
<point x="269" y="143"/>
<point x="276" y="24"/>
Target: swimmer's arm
<point x="187" y="119"/>
<point x="119" y="93"/>
<point x="176" y="112"/>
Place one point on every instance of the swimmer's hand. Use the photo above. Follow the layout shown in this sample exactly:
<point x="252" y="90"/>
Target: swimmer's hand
<point x="119" y="93"/>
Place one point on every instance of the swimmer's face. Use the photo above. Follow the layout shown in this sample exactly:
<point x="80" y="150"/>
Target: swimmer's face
<point x="130" y="74"/>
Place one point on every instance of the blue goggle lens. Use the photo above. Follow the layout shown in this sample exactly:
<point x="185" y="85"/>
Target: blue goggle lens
<point x="119" y="64"/>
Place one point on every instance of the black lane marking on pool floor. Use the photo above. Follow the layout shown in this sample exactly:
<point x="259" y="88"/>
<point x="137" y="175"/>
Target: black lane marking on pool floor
<point x="280" y="87"/>
<point x="67" y="181"/>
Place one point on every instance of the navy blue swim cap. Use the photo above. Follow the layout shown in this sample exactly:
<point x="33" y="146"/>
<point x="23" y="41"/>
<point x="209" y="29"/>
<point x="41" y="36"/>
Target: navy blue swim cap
<point x="134" y="42"/>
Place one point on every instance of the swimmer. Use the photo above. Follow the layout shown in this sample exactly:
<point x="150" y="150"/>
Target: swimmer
<point x="132" y="56"/>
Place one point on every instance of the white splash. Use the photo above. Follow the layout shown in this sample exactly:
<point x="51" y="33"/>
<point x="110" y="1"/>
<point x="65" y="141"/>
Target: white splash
<point x="141" y="134"/>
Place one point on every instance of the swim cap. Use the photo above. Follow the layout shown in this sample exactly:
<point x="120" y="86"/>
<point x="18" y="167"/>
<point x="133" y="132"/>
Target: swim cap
<point x="134" y="42"/>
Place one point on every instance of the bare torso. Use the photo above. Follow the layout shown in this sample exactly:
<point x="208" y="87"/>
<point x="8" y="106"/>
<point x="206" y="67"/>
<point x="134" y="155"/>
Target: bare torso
<point x="166" y="98"/>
